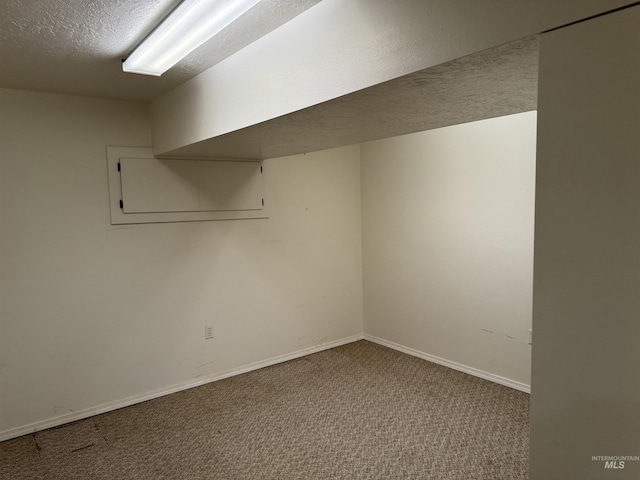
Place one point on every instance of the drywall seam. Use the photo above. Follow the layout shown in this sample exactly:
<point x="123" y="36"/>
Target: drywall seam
<point x="523" y="387"/>
<point x="110" y="406"/>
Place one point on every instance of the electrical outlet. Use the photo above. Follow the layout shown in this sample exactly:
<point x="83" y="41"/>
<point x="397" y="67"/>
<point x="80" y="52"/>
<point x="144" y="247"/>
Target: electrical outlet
<point x="530" y="336"/>
<point x="208" y="331"/>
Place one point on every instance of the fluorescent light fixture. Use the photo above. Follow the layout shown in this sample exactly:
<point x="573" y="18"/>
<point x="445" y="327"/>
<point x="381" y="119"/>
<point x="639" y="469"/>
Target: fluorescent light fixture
<point x="190" y="25"/>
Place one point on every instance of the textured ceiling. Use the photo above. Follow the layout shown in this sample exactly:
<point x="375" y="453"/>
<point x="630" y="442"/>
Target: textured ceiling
<point x="76" y="46"/>
<point x="495" y="82"/>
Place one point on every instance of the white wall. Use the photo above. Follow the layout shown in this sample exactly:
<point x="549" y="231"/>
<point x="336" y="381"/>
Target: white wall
<point x="448" y="243"/>
<point x="341" y="46"/>
<point x="92" y="314"/>
<point x="586" y="315"/>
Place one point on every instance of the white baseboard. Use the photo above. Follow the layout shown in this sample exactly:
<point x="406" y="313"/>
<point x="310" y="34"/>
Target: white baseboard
<point x="107" y="407"/>
<point x="523" y="387"/>
<point x="126" y="402"/>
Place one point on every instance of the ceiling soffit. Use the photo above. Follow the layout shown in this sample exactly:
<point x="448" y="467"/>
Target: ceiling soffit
<point x="491" y="83"/>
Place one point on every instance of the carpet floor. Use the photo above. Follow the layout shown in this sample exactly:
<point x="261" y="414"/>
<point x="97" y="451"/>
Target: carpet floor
<point x="359" y="411"/>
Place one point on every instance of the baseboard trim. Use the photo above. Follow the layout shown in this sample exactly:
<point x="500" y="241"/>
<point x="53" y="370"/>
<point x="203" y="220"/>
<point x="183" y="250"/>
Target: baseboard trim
<point x="523" y="387"/>
<point x="126" y="402"/>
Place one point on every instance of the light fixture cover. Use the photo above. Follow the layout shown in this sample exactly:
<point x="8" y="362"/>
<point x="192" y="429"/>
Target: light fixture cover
<point x="190" y="25"/>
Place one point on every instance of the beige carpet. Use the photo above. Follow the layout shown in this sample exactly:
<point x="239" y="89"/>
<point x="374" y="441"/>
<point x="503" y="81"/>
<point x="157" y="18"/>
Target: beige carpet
<point x="360" y="411"/>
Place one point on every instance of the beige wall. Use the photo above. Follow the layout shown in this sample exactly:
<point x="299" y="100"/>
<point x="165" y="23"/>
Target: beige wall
<point x="585" y="381"/>
<point x="92" y="314"/>
<point x="448" y="244"/>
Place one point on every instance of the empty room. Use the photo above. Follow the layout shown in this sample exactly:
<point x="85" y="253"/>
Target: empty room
<point x="319" y="239"/>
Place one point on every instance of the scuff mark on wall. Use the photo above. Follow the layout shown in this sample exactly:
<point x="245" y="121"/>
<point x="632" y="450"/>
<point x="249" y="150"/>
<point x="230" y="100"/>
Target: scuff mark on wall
<point x="61" y="409"/>
<point x="205" y="364"/>
<point x="499" y="333"/>
<point x="311" y="341"/>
